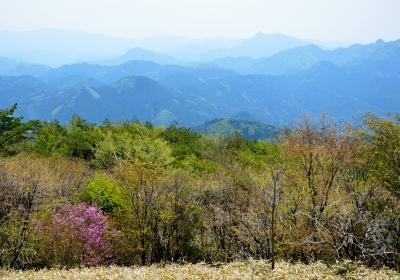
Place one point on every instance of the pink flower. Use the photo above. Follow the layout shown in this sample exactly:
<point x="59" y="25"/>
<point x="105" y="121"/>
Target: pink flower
<point x="85" y="229"/>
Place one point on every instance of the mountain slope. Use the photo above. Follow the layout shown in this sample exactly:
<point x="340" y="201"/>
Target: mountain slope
<point x="7" y="65"/>
<point x="129" y="98"/>
<point x="192" y="96"/>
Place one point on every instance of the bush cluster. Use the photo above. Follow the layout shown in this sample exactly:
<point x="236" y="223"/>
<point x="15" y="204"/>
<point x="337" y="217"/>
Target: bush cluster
<point x="130" y="193"/>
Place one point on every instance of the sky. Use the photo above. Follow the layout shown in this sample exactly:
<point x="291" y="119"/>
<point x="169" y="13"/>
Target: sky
<point x="325" y="20"/>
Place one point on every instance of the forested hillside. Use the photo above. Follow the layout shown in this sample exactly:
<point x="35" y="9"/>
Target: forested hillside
<point x="131" y="193"/>
<point x="250" y="130"/>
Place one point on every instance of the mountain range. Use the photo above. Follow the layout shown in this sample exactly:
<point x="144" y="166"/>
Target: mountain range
<point x="278" y="90"/>
<point x="301" y="58"/>
<point x="54" y="47"/>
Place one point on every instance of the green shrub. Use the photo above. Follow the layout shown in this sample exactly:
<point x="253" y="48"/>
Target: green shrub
<point x="104" y="192"/>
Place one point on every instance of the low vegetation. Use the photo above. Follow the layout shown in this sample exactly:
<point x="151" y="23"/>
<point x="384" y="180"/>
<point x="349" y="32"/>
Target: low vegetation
<point x="130" y="194"/>
<point x="253" y="270"/>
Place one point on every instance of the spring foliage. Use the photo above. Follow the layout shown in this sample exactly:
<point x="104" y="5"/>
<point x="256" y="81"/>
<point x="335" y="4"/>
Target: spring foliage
<point x="129" y="193"/>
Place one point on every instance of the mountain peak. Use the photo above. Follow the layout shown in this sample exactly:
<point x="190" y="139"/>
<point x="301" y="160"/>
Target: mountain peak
<point x="269" y="36"/>
<point x="259" y="34"/>
<point x="243" y="115"/>
<point x="137" y="53"/>
<point x="265" y="45"/>
<point x="135" y="82"/>
<point x="128" y="82"/>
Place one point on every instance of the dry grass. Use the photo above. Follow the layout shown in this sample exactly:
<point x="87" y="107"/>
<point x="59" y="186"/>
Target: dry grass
<point x="238" y="270"/>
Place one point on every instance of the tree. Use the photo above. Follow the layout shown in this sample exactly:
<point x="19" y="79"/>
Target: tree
<point x="132" y="142"/>
<point x="383" y="146"/>
<point x="104" y="192"/>
<point x="50" y="139"/>
<point x="12" y="130"/>
<point x="184" y="141"/>
<point x="276" y="163"/>
<point x="319" y="153"/>
<point x="81" y="138"/>
<point x="156" y="211"/>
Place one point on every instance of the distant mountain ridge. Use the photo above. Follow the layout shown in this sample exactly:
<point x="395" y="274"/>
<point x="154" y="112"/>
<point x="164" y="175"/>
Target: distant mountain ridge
<point x="265" y="45"/>
<point x="304" y="57"/>
<point x="141" y="54"/>
<point x="54" y="47"/>
<point x="258" y="46"/>
<point x="348" y="83"/>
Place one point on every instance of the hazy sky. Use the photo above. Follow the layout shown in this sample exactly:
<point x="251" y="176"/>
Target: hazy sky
<point x="335" y="20"/>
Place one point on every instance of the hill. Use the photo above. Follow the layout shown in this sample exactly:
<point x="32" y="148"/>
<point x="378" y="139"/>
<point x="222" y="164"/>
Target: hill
<point x="251" y="130"/>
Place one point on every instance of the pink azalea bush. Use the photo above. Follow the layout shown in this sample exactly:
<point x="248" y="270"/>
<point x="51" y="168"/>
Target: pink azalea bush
<point x="78" y="235"/>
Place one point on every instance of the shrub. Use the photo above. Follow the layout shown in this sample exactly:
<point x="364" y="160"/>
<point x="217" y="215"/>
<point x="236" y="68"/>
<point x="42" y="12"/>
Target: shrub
<point x="104" y="192"/>
<point x="134" y="143"/>
<point x="78" y="235"/>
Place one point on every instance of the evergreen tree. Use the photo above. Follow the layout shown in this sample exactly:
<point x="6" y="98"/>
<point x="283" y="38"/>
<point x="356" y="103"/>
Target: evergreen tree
<point x="12" y="129"/>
